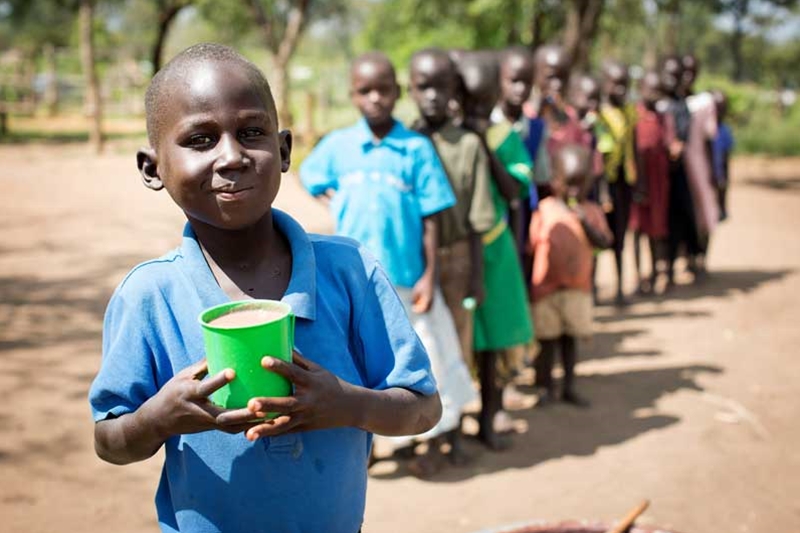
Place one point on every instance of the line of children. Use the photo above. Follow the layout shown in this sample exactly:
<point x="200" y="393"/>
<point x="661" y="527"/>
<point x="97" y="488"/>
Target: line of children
<point x="502" y="132"/>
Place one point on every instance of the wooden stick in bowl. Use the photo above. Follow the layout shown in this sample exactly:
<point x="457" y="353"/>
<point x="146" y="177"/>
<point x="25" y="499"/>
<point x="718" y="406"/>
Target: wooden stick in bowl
<point x="623" y="525"/>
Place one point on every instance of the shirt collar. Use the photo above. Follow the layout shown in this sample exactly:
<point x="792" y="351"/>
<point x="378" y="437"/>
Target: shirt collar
<point x="521" y="126"/>
<point x="301" y="293"/>
<point x="367" y="139"/>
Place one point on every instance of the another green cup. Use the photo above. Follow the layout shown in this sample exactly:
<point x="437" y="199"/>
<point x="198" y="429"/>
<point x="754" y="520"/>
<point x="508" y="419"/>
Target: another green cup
<point x="241" y="347"/>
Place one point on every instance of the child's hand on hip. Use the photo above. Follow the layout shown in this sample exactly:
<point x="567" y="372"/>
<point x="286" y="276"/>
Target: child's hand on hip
<point x="320" y="401"/>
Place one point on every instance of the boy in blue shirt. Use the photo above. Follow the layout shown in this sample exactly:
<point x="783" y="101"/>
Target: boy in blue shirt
<point x="722" y="148"/>
<point x="215" y="147"/>
<point x="384" y="184"/>
<point x="384" y="181"/>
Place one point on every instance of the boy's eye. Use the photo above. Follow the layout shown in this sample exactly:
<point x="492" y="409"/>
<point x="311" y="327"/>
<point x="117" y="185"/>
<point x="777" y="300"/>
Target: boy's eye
<point x="251" y="133"/>
<point x="199" y="140"/>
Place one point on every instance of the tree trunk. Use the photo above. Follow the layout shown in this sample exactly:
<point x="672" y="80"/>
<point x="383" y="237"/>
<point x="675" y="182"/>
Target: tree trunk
<point x="672" y="11"/>
<point x="736" y="53"/>
<point x="279" y="81"/>
<point x="512" y="18"/>
<point x="740" y="11"/>
<point x="537" y="20"/>
<point x="282" y="51"/>
<point x="92" y="87"/>
<point x="582" y="22"/>
<point x="165" y="19"/>
<point x="51" y="87"/>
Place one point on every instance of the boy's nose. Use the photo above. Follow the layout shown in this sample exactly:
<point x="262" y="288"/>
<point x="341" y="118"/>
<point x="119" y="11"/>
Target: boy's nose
<point x="231" y="153"/>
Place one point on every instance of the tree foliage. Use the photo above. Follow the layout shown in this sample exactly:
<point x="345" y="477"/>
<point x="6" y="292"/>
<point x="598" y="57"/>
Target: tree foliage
<point x="400" y="27"/>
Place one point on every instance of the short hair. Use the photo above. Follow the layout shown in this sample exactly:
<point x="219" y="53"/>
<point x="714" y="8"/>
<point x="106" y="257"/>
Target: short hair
<point x="516" y="51"/>
<point x="375" y="57"/>
<point x="436" y="53"/>
<point x="181" y="64"/>
<point x="479" y="71"/>
<point x="612" y="66"/>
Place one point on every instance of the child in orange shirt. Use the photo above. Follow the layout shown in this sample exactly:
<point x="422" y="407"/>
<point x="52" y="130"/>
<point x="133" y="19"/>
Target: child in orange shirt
<point x="564" y="232"/>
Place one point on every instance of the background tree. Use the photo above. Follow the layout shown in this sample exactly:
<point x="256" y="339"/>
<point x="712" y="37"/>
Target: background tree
<point x="167" y="11"/>
<point x="281" y="25"/>
<point x="93" y="105"/>
<point x="583" y="17"/>
<point x="748" y="14"/>
<point x="37" y="29"/>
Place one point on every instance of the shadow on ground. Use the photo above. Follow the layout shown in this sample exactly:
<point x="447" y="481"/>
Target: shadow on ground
<point x="723" y="283"/>
<point x="40" y="312"/>
<point x="624" y="404"/>
<point x="775" y="184"/>
<point x="624" y="407"/>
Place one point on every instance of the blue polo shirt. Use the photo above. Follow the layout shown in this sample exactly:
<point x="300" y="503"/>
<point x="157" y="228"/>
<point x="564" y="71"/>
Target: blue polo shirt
<point x="383" y="190"/>
<point x="349" y="320"/>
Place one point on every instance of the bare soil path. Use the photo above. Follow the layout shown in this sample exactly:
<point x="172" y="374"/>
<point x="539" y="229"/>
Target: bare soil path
<point x="695" y="396"/>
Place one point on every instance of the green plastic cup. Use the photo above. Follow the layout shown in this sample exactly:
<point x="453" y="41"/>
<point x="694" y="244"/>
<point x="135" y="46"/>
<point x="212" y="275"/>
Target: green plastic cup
<point x="242" y="345"/>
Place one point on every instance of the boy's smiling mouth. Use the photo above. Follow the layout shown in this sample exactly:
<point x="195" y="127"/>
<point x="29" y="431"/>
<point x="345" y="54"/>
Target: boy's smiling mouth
<point x="232" y="193"/>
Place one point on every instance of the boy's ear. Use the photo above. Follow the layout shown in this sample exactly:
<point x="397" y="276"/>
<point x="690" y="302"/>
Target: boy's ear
<point x="148" y="168"/>
<point x="285" y="140"/>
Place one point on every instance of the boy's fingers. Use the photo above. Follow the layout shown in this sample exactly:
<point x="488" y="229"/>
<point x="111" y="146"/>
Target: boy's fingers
<point x="235" y="417"/>
<point x="302" y="362"/>
<point x="274" y="404"/>
<point x="211" y="384"/>
<point x="287" y="370"/>
<point x="239" y="428"/>
<point x="269" y="428"/>
<point x="197" y="370"/>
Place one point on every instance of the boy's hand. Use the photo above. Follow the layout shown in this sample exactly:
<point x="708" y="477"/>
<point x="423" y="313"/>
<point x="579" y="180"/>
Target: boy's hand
<point x="477" y="291"/>
<point x="320" y="401"/>
<point x="422" y="295"/>
<point x="182" y="405"/>
<point x="675" y="149"/>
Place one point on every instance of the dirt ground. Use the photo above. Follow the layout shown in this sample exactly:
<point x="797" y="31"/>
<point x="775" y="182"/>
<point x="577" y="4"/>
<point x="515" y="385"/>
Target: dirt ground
<point x="694" y="396"/>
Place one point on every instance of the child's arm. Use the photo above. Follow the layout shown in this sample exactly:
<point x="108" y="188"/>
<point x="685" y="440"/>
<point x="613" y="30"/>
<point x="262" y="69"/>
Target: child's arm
<point x="321" y="401"/>
<point x="317" y="172"/>
<point x="640" y="191"/>
<point x="422" y="292"/>
<point x="595" y="226"/>
<point x="181" y="406"/>
<point x="476" y="289"/>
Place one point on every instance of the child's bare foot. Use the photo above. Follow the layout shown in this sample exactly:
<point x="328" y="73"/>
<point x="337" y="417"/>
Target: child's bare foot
<point x="545" y="398"/>
<point x="619" y="300"/>
<point x="406" y="452"/>
<point x="572" y="398"/>
<point x="645" y="287"/>
<point x="459" y="457"/>
<point x="494" y="441"/>
<point x="426" y="465"/>
<point x="456" y="453"/>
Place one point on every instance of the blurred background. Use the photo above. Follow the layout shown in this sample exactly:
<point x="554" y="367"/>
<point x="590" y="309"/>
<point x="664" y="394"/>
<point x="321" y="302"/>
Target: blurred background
<point x="75" y="70"/>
